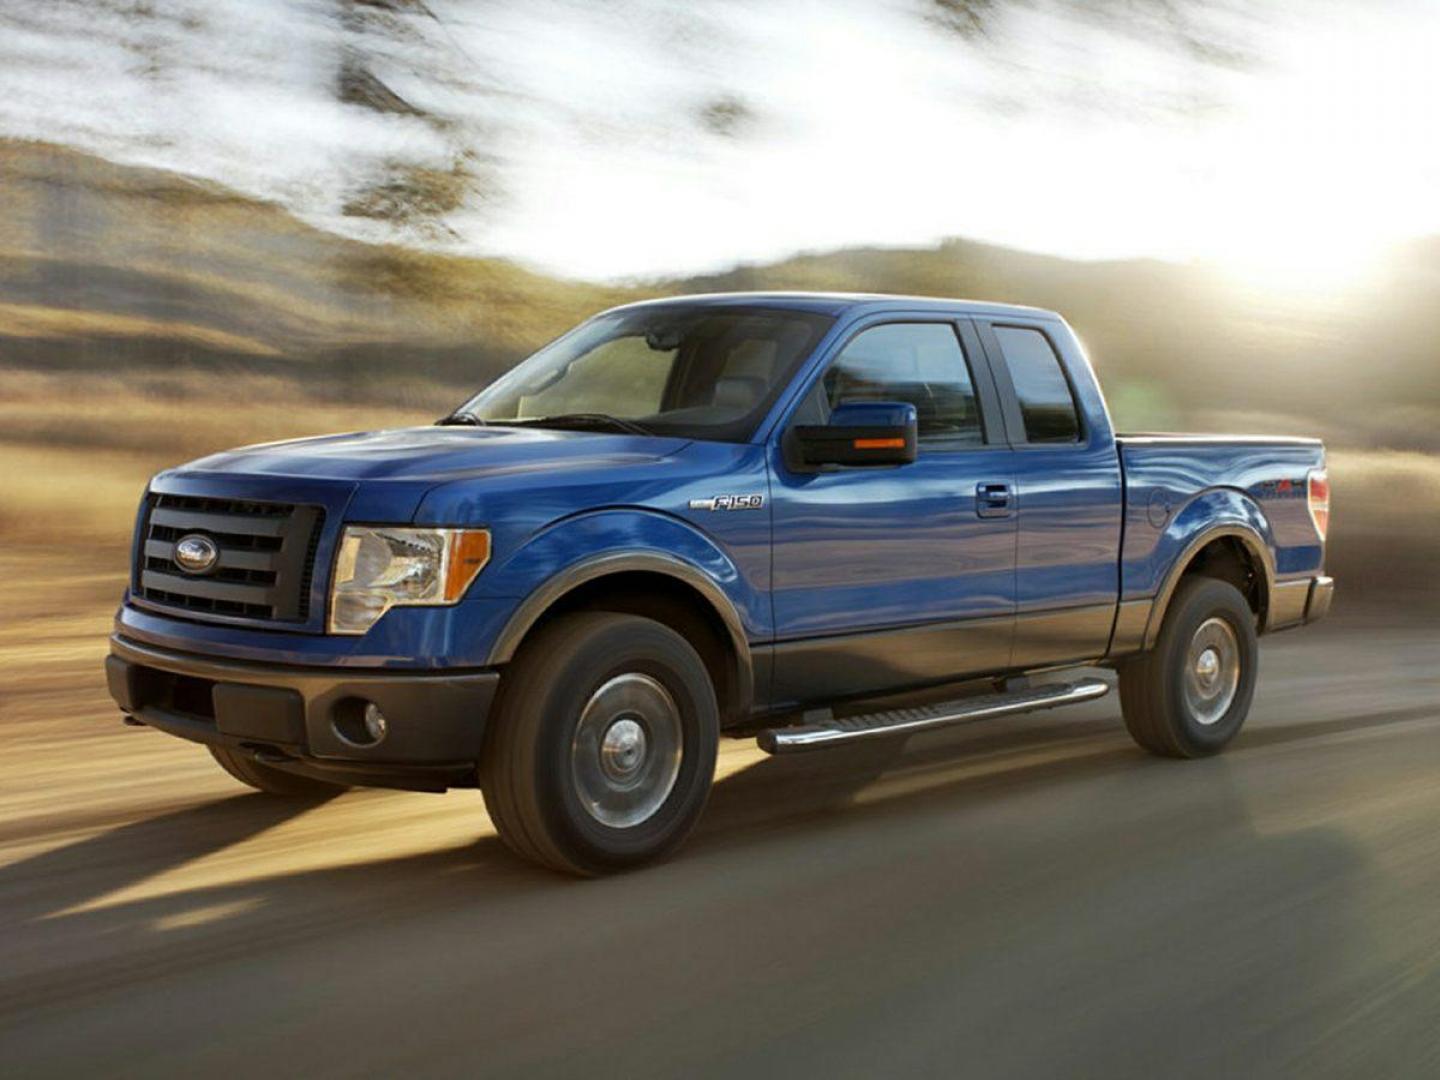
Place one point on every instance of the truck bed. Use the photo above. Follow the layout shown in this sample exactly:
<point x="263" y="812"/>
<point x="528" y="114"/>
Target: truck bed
<point x="1177" y="483"/>
<point x="1172" y="438"/>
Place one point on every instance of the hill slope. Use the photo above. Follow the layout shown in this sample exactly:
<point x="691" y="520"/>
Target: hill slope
<point x="106" y="268"/>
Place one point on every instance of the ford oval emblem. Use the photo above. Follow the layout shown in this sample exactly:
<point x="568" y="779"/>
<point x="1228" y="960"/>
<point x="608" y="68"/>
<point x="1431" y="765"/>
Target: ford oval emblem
<point x="196" y="554"/>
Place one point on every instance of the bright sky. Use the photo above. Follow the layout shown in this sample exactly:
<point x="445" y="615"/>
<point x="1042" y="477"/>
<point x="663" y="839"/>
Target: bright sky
<point x="869" y="127"/>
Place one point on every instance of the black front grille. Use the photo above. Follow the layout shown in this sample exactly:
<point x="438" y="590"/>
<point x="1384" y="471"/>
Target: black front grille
<point x="266" y="564"/>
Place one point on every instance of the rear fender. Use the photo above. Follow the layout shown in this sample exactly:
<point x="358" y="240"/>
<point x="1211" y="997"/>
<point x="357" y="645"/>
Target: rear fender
<point x="1210" y="516"/>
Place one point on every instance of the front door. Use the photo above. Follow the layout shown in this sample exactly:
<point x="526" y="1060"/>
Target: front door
<point x="903" y="575"/>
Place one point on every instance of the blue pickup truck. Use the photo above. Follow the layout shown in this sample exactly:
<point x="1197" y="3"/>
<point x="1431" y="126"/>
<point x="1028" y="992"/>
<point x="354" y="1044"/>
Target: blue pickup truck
<point x="810" y="519"/>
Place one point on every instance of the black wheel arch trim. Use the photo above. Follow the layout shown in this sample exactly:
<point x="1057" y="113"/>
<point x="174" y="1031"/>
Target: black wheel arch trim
<point x="1254" y="544"/>
<point x="542" y="599"/>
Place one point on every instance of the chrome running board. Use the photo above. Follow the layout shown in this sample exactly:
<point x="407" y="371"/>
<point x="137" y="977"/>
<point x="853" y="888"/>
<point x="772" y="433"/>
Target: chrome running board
<point x="833" y="732"/>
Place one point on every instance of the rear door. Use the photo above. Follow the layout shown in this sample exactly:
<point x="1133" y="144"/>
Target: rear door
<point x="1068" y="491"/>
<point x="892" y="576"/>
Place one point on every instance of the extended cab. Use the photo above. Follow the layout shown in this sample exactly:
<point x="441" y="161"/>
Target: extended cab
<point x="754" y="513"/>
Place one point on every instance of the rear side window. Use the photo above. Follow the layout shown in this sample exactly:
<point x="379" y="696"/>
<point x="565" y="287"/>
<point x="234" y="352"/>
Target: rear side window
<point x="916" y="362"/>
<point x="1046" y="403"/>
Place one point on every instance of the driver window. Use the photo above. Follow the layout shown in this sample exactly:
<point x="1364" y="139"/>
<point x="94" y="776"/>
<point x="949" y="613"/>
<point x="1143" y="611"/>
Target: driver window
<point x="921" y="363"/>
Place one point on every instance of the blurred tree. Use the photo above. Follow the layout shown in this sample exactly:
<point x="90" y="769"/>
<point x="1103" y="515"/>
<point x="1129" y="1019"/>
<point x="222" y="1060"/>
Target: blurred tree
<point x="727" y="116"/>
<point x="419" y="193"/>
<point x="967" y="18"/>
<point x="1197" y="28"/>
<point x="415" y="195"/>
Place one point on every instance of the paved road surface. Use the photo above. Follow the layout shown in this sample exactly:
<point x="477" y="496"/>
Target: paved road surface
<point x="1026" y="897"/>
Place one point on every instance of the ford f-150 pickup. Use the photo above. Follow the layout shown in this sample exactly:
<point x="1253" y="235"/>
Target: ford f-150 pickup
<point x="810" y="519"/>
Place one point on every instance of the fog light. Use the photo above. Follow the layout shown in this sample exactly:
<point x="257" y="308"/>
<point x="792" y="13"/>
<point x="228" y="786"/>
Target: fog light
<point x="359" y="723"/>
<point x="375" y="723"/>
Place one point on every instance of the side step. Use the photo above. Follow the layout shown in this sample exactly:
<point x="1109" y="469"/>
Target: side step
<point x="833" y="732"/>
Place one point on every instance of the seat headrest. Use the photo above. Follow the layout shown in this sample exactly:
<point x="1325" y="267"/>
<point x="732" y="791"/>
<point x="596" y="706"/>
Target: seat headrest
<point x="739" y="393"/>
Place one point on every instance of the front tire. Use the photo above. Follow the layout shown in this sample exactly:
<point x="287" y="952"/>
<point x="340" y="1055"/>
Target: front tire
<point x="602" y="749"/>
<point x="1190" y="695"/>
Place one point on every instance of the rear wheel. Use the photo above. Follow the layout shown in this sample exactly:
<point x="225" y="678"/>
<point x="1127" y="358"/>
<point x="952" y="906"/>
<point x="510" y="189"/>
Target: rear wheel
<point x="602" y="748"/>
<point x="1190" y="695"/>
<point x="272" y="781"/>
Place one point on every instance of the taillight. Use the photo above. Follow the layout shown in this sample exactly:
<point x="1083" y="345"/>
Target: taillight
<point x="1318" y="492"/>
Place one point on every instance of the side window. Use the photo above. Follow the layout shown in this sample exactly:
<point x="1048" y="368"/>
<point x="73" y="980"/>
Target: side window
<point x="1046" y="403"/>
<point x="916" y="362"/>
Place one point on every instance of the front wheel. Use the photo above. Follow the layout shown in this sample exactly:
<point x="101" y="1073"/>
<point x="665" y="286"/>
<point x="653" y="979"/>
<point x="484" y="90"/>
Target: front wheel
<point x="1190" y="695"/>
<point x="602" y="749"/>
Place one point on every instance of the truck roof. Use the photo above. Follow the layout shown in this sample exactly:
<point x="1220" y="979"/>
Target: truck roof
<point x="836" y="303"/>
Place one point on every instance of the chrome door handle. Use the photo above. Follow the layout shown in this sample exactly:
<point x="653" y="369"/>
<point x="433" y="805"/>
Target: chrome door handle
<point x="993" y="500"/>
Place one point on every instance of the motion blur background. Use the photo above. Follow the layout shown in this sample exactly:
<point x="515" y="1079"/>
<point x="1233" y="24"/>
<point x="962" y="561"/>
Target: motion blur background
<point x="231" y="221"/>
<point x="234" y="221"/>
<point x="228" y="221"/>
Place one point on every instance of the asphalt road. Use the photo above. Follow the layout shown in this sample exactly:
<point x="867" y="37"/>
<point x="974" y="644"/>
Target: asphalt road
<point x="1025" y="897"/>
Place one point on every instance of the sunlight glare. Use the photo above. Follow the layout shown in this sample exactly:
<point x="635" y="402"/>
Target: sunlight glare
<point x="1304" y="263"/>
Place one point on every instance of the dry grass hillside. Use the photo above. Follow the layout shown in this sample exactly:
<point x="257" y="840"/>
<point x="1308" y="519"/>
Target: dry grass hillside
<point x="146" y="320"/>
<point x="105" y="268"/>
<point x="71" y="475"/>
<point x="1185" y="347"/>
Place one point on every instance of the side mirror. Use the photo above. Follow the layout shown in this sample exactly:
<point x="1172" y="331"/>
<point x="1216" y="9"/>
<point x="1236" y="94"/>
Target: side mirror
<point x="860" y="433"/>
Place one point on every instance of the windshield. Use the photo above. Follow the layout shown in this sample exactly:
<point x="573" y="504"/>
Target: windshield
<point x="700" y="372"/>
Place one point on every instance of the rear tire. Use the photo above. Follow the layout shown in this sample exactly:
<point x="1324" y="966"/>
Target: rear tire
<point x="269" y="780"/>
<point x="602" y="748"/>
<point x="1189" y="696"/>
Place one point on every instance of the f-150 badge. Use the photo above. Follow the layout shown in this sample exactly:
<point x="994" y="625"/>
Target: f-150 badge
<point x="729" y="502"/>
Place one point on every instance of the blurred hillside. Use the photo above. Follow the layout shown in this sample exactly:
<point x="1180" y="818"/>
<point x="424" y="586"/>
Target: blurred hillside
<point x="105" y="268"/>
<point x="108" y="269"/>
<point x="1182" y="347"/>
<point x="146" y="320"/>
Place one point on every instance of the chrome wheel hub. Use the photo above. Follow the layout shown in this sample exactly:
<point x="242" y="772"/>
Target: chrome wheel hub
<point x="625" y="755"/>
<point x="622" y="749"/>
<point x="1212" y="671"/>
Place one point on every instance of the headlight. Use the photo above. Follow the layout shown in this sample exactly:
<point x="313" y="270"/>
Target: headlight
<point x="379" y="568"/>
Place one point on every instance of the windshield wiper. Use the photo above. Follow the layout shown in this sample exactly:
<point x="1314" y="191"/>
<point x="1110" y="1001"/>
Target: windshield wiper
<point x="584" y="420"/>
<point x="461" y="419"/>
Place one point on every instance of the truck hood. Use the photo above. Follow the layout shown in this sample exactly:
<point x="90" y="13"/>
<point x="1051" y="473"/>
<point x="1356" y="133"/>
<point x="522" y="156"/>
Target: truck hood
<point x="436" y="455"/>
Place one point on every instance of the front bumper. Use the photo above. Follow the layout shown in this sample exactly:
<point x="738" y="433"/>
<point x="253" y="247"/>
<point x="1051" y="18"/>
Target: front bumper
<point x="285" y="716"/>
